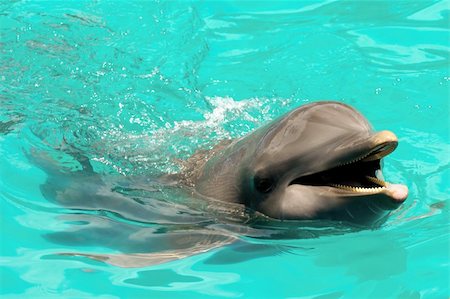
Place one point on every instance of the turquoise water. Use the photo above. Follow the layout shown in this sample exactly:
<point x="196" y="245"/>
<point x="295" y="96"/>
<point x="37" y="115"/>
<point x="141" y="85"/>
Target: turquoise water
<point x="135" y="86"/>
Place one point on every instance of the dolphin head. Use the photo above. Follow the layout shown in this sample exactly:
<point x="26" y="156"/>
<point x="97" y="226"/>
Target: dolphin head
<point x="320" y="161"/>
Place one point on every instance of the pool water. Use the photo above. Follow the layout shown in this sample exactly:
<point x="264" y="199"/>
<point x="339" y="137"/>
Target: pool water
<point x="135" y="86"/>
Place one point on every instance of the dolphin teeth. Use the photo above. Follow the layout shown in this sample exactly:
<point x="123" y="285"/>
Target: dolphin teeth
<point x="356" y="160"/>
<point x="369" y="154"/>
<point x="359" y="189"/>
<point x="376" y="181"/>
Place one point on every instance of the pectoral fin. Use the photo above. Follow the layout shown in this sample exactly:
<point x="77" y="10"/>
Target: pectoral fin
<point x="138" y="260"/>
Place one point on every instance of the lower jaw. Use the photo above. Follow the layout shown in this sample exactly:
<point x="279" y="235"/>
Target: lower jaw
<point x="395" y="194"/>
<point x="378" y="198"/>
<point x="376" y="186"/>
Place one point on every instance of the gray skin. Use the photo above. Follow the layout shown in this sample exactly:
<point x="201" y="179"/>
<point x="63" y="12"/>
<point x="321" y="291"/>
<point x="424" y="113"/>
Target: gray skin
<point x="291" y="169"/>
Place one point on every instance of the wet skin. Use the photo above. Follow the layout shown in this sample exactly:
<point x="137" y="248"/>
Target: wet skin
<point x="319" y="161"/>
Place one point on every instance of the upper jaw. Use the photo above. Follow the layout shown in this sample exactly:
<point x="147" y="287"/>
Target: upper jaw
<point x="370" y="148"/>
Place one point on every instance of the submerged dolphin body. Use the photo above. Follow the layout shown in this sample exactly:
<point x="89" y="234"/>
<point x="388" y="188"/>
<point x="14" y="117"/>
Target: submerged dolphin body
<point x="319" y="161"/>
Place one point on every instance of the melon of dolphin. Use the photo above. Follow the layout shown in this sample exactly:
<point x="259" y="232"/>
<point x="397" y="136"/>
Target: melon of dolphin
<point x="319" y="161"/>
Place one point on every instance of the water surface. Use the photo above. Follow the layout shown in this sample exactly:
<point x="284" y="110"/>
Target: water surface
<point x="134" y="86"/>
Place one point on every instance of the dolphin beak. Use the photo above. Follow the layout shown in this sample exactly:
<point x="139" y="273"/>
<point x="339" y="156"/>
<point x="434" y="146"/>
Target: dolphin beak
<point x="383" y="143"/>
<point x="397" y="192"/>
<point x="357" y="172"/>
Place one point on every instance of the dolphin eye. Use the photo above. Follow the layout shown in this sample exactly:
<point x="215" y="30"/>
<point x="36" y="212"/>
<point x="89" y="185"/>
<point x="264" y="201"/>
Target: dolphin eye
<point x="264" y="185"/>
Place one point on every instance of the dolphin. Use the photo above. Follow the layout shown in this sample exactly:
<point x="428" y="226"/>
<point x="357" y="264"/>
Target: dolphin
<point x="319" y="161"/>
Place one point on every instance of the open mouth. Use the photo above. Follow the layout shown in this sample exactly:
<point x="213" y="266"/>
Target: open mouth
<point x="360" y="175"/>
<point x="357" y="173"/>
